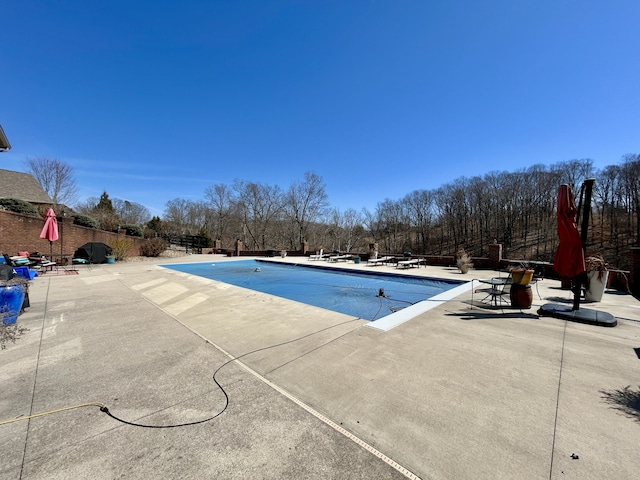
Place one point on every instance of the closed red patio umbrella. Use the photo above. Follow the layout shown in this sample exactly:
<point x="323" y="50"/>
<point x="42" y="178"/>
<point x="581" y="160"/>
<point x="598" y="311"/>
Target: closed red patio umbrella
<point x="50" y="229"/>
<point x="569" y="258"/>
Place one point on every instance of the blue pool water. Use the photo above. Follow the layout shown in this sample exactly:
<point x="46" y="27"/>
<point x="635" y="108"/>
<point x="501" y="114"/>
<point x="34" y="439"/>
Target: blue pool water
<point x="344" y="291"/>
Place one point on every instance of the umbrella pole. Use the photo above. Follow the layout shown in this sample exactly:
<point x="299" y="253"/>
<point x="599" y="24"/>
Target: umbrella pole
<point x="581" y="279"/>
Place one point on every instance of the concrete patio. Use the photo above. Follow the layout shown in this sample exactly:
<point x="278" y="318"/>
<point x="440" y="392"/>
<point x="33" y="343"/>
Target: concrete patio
<point x="455" y="393"/>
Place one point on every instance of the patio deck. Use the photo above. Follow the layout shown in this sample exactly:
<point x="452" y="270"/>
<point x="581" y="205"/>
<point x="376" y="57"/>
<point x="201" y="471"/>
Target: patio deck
<point x="453" y="393"/>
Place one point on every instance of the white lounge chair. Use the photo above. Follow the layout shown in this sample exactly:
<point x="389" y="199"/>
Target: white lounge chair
<point x="318" y="256"/>
<point x="341" y="258"/>
<point x="378" y="261"/>
<point x="414" y="262"/>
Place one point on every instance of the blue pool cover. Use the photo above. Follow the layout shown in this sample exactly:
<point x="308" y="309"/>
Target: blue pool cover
<point x="345" y="291"/>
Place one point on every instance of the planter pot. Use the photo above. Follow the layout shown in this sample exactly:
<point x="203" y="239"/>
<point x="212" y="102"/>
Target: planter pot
<point x="596" y="285"/>
<point x="11" y="299"/>
<point x="111" y="259"/>
<point x="517" y="274"/>
<point x="464" y="268"/>
<point x="521" y="296"/>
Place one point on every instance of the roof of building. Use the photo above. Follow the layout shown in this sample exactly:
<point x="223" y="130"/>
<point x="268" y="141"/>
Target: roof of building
<point x="22" y="186"/>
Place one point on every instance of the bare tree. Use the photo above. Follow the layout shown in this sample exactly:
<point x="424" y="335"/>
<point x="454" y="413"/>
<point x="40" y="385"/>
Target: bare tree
<point x="631" y="185"/>
<point x="221" y="202"/>
<point x="55" y="177"/>
<point x="419" y="206"/>
<point x="347" y="229"/>
<point x="185" y="216"/>
<point x="260" y="206"/>
<point x="306" y="201"/>
<point x="131" y="212"/>
<point x="102" y="210"/>
<point x="391" y="218"/>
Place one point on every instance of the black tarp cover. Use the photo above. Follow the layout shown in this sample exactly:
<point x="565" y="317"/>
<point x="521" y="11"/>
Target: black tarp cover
<point x="95" y="252"/>
<point x="6" y="272"/>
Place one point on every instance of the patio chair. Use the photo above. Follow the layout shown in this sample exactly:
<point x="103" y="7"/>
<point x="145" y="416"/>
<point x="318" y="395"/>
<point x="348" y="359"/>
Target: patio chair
<point x="499" y="288"/>
<point x="538" y="275"/>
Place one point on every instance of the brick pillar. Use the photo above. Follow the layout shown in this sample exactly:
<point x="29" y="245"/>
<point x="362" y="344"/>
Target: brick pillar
<point x="373" y="250"/>
<point x="495" y="255"/>
<point x="304" y="246"/>
<point x="217" y="244"/>
<point x="635" y="271"/>
<point x="238" y="247"/>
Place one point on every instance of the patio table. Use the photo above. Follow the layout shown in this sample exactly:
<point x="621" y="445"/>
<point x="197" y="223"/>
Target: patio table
<point x="496" y="288"/>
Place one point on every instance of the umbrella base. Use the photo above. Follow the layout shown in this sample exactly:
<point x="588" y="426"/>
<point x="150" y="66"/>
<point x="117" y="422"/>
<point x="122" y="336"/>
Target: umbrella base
<point x="583" y="315"/>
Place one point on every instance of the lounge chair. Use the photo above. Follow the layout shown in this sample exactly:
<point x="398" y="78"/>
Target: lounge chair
<point x="17" y="260"/>
<point x="414" y="262"/>
<point x="341" y="258"/>
<point x="42" y="264"/>
<point x="319" y="255"/>
<point x="379" y="261"/>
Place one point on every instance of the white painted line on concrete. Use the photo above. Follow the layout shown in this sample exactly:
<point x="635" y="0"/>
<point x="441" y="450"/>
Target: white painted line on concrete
<point x="389" y="461"/>
<point x="391" y="321"/>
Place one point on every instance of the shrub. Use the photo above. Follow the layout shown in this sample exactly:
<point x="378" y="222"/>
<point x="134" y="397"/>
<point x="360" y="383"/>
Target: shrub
<point x="120" y="248"/>
<point x="85" y="221"/>
<point x="19" y="206"/>
<point x="133" y="230"/>
<point x="149" y="233"/>
<point x="153" y="247"/>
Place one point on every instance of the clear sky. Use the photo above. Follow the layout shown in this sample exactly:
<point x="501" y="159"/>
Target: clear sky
<point x="156" y="100"/>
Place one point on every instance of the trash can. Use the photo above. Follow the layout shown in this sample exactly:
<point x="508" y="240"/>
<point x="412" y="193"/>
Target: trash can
<point x="356" y="260"/>
<point x="11" y="299"/>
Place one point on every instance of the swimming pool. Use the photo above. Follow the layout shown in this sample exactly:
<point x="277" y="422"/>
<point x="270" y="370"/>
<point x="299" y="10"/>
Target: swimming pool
<point x="369" y="296"/>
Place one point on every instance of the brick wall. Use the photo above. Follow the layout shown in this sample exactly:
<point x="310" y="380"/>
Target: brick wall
<point x="20" y="233"/>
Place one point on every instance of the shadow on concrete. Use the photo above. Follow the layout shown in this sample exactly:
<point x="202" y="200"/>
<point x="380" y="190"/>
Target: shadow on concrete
<point x="626" y="400"/>
<point x="477" y="314"/>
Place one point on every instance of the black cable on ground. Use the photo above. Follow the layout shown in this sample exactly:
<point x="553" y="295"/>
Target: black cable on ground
<point x="105" y="409"/>
<point x="555" y="421"/>
<point x="226" y="396"/>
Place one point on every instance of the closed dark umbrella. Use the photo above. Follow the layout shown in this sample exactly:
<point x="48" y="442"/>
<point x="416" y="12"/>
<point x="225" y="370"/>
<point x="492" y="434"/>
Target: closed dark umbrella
<point x="569" y="259"/>
<point x="50" y="229"/>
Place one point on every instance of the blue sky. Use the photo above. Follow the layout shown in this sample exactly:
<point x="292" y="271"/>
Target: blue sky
<point x="156" y="100"/>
